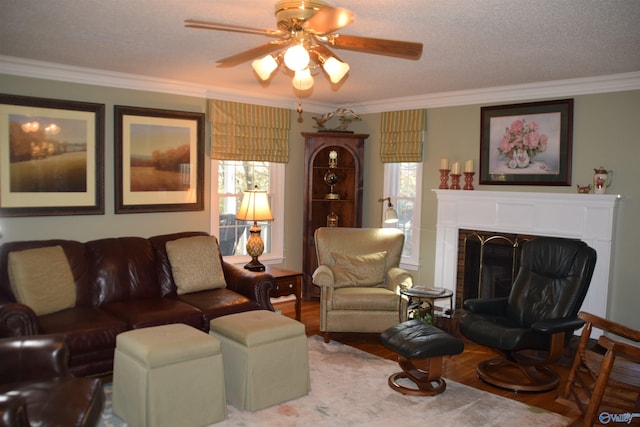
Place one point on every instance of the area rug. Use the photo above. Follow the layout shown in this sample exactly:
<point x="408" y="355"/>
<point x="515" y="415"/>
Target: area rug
<point x="349" y="388"/>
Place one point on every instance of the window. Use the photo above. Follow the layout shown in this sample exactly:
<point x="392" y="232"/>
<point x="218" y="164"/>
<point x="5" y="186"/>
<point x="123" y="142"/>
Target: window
<point x="230" y="178"/>
<point x="403" y="185"/>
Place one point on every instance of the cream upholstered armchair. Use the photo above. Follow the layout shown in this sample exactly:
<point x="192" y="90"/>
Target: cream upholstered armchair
<point x="360" y="279"/>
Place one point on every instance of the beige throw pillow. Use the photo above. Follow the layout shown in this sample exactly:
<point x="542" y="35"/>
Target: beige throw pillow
<point x="42" y="279"/>
<point x="359" y="270"/>
<point x="195" y="264"/>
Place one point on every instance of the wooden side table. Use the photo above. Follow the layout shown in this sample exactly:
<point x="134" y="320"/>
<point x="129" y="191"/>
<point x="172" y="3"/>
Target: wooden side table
<point x="416" y="298"/>
<point x="287" y="282"/>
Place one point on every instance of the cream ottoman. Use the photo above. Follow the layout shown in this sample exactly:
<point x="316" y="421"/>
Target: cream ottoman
<point x="265" y="357"/>
<point x="168" y="375"/>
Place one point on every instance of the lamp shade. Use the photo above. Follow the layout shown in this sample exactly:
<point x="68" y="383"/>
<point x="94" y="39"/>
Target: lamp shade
<point x="335" y="69"/>
<point x="264" y="66"/>
<point x="390" y="216"/>
<point x="303" y="80"/>
<point x="254" y="206"/>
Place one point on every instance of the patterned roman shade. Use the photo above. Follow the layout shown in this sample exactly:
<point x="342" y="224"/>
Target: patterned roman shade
<point x="249" y="132"/>
<point x="402" y="135"/>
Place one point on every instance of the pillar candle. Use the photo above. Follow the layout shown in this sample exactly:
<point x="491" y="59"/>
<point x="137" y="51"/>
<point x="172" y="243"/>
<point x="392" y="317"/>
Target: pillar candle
<point x="455" y="168"/>
<point x="444" y="163"/>
<point x="468" y="166"/>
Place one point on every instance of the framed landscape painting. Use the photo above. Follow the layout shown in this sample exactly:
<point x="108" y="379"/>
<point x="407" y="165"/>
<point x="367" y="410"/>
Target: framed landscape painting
<point x="527" y="144"/>
<point x="159" y="160"/>
<point x="51" y="157"/>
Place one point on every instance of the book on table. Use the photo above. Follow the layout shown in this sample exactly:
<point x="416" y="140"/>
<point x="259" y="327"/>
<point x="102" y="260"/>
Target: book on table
<point x="427" y="291"/>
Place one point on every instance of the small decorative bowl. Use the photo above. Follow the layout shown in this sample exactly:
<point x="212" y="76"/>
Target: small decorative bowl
<point x="584" y="189"/>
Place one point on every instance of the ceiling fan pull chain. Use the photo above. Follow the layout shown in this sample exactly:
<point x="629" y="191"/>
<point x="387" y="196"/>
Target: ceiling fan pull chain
<point x="299" y="110"/>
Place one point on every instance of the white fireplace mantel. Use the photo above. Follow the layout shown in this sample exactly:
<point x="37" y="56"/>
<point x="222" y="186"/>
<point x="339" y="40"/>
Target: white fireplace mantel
<point x="588" y="217"/>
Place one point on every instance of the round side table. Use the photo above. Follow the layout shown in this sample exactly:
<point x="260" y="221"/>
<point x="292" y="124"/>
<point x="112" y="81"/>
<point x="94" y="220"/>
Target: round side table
<point x="421" y="299"/>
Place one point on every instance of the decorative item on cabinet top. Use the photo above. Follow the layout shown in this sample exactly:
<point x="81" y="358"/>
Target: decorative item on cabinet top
<point x="345" y="116"/>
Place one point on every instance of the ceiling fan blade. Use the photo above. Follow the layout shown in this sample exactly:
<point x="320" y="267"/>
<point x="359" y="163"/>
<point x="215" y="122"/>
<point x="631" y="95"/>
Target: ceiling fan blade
<point x="219" y="26"/>
<point x="323" y="51"/>
<point x="328" y="19"/>
<point x="241" y="57"/>
<point x="399" y="49"/>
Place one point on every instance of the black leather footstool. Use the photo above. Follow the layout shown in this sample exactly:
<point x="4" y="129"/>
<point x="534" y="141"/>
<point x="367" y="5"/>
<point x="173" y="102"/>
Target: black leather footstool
<point x="418" y="342"/>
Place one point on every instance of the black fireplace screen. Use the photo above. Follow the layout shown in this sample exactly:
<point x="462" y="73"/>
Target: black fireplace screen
<point x="487" y="264"/>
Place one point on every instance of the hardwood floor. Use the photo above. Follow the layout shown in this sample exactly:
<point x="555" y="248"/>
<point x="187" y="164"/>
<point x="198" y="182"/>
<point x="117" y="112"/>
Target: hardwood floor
<point x="460" y="368"/>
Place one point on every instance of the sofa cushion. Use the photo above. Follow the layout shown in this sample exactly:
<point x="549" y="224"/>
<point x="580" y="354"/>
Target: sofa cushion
<point x="195" y="264"/>
<point x="359" y="270"/>
<point x="219" y="302"/>
<point x="90" y="333"/>
<point x="86" y="329"/>
<point x="121" y="268"/>
<point x="142" y="313"/>
<point x="42" y="279"/>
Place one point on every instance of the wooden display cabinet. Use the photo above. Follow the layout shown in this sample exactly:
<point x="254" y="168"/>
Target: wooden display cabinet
<point x="317" y="204"/>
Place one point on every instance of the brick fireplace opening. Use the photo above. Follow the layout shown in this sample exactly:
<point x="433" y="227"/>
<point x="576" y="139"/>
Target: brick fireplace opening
<point x="487" y="263"/>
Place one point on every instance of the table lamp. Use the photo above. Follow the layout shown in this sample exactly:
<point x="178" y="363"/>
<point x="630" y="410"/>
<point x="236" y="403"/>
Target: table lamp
<point x="255" y="207"/>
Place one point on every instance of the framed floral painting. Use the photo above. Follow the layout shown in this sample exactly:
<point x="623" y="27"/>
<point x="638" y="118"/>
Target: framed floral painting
<point x="527" y="144"/>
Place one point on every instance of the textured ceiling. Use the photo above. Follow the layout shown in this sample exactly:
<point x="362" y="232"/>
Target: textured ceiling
<point x="468" y="44"/>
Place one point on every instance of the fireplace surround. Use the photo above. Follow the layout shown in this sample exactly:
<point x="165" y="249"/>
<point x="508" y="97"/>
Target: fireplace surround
<point x="588" y="217"/>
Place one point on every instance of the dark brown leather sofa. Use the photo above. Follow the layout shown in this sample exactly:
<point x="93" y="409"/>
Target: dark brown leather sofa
<point x="124" y="283"/>
<point x="37" y="389"/>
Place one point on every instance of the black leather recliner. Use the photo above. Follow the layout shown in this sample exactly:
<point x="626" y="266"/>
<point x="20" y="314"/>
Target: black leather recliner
<point x="532" y="326"/>
<point x="37" y="389"/>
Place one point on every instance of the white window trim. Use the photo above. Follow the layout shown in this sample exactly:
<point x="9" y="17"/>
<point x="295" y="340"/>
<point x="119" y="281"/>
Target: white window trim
<point x="276" y="191"/>
<point x="390" y="189"/>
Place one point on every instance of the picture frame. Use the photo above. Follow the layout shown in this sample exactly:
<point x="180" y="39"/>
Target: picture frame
<point x="527" y="144"/>
<point x="159" y="160"/>
<point x="51" y="157"/>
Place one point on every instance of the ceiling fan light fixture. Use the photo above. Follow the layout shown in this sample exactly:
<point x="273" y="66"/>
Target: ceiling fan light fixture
<point x="305" y="31"/>
<point x="296" y="58"/>
<point x="265" y="66"/>
<point x="335" y="69"/>
<point x="303" y="80"/>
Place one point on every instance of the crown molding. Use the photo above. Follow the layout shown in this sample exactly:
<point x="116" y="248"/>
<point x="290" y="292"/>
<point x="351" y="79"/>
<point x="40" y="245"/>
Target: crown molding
<point x="292" y="104"/>
<point x="66" y="73"/>
<point x="549" y="89"/>
<point x="59" y="72"/>
<point x="540" y="90"/>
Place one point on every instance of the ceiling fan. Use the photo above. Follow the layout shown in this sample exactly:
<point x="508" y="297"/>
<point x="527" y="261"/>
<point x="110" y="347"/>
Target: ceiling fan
<point x="305" y="31"/>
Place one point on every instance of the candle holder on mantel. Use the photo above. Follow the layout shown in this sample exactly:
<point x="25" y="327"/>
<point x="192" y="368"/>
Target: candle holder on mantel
<point x="444" y="179"/>
<point x="468" y="181"/>
<point x="455" y="181"/>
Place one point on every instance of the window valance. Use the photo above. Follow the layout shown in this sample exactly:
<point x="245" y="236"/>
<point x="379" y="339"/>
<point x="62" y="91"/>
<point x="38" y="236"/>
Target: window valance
<point x="402" y="136"/>
<point x="249" y="132"/>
